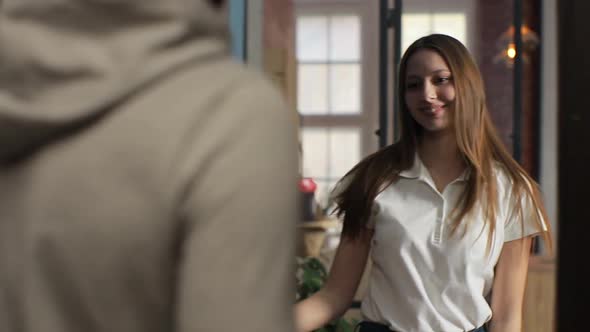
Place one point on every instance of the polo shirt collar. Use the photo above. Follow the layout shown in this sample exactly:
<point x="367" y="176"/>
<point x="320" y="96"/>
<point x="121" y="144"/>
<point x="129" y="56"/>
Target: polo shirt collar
<point x="419" y="171"/>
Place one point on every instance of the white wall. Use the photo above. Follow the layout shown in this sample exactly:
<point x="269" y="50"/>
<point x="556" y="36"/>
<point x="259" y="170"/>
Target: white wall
<point x="549" y="108"/>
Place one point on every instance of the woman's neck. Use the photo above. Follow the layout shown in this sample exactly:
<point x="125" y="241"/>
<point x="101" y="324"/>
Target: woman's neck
<point x="440" y="151"/>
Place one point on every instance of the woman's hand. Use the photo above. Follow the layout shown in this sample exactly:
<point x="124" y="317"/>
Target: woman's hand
<point x="338" y="293"/>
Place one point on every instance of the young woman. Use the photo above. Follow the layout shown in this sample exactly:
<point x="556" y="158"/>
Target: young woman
<point x="446" y="214"/>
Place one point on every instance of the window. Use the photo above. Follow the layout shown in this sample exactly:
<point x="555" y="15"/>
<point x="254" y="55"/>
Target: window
<point x="332" y="100"/>
<point x="416" y="25"/>
<point x="328" y="60"/>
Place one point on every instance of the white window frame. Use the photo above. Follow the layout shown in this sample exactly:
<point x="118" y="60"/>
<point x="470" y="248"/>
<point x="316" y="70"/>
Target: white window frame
<point x="367" y="120"/>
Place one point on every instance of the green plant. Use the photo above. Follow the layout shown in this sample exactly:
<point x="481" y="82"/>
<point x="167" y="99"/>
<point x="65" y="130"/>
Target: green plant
<point x="311" y="276"/>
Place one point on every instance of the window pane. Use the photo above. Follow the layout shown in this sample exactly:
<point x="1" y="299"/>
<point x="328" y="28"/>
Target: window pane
<point x="312" y="38"/>
<point x="345" y="150"/>
<point x="452" y="24"/>
<point x="345" y="38"/>
<point x="315" y="152"/>
<point x="312" y="89"/>
<point x="328" y="153"/>
<point x="345" y="89"/>
<point x="414" y="27"/>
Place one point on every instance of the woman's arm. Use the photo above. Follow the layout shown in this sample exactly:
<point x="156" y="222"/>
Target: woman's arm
<point x="509" y="286"/>
<point x="338" y="292"/>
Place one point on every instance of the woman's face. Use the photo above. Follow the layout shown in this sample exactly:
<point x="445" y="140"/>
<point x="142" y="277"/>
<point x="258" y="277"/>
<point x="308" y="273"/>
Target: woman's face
<point x="430" y="91"/>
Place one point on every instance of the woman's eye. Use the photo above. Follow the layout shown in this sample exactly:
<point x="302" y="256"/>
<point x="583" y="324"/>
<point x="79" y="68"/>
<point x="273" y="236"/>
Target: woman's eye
<point x="442" y="80"/>
<point x="412" y="85"/>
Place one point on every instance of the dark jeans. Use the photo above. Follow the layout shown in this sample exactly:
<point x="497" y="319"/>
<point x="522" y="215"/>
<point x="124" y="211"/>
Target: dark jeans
<point x="376" y="327"/>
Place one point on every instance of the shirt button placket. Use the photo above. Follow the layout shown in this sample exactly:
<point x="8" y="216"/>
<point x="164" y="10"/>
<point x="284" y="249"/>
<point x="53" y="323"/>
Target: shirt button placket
<point x="439" y="226"/>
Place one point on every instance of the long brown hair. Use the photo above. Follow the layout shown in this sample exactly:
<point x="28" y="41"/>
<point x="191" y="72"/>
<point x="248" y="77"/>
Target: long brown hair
<point x="477" y="141"/>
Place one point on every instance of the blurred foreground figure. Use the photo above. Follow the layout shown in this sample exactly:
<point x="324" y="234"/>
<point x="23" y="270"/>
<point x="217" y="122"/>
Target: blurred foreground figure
<point x="147" y="183"/>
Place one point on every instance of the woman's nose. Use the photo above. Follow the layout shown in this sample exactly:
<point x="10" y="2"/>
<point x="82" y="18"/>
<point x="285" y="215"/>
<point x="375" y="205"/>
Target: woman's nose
<point x="428" y="91"/>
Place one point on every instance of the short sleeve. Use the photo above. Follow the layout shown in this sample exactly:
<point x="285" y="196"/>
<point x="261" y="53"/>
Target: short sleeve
<point x="373" y="217"/>
<point x="518" y="226"/>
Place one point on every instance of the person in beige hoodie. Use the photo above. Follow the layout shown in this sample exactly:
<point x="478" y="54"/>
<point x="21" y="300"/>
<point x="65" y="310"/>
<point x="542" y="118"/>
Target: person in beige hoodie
<point x="147" y="182"/>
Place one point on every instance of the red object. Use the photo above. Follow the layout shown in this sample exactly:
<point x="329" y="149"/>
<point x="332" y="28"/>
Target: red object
<point x="307" y="185"/>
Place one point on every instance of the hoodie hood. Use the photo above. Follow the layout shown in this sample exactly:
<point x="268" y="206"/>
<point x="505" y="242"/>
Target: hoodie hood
<point x="65" y="63"/>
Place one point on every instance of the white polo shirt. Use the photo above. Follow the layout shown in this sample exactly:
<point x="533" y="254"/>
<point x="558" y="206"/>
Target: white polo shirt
<point x="424" y="280"/>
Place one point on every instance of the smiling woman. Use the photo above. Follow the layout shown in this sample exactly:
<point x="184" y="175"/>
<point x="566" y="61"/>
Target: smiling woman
<point x="445" y="213"/>
<point x="430" y="93"/>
